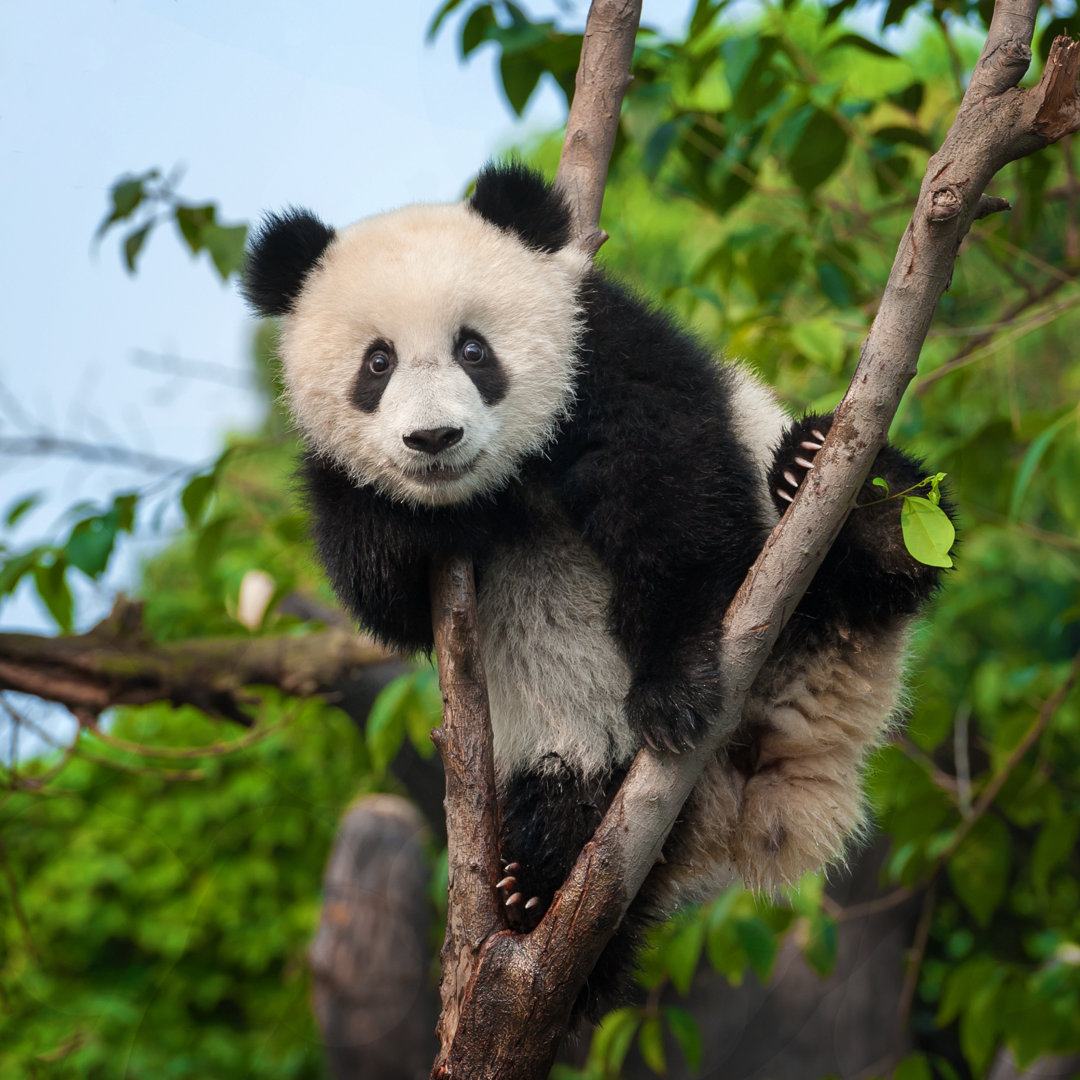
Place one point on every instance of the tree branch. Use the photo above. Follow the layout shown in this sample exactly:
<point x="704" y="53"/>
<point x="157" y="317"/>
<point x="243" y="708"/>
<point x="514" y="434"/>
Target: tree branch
<point x="116" y="664"/>
<point x="516" y="1004"/>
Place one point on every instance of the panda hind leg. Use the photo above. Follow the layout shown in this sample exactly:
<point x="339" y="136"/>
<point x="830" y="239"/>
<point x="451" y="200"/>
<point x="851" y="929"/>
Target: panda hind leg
<point x="549" y="813"/>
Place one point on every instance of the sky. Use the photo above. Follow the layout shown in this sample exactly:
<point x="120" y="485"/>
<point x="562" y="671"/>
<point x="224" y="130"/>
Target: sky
<point x="341" y="107"/>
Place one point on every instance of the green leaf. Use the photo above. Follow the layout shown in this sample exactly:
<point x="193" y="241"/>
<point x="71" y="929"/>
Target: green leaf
<point x="124" y="509"/>
<point x="208" y="545"/>
<point x="520" y="74"/>
<point x="759" y="943"/>
<point x="14" y="570"/>
<point x="651" y="1045"/>
<point x="821" y="341"/>
<point x="440" y="17"/>
<point x="385" y="728"/>
<point x="858" y="42"/>
<point x="91" y="543"/>
<point x="21" y="508"/>
<point x="682" y="953"/>
<point x="226" y="246"/>
<point x="423" y="710"/>
<point x="53" y="589"/>
<point x="881" y="482"/>
<point x="611" y="1040"/>
<point x="133" y="244"/>
<point x="979" y="868"/>
<point x="1032" y="458"/>
<point x="685" y="1030"/>
<point x="913" y="1067"/>
<point x="196" y="495"/>
<point x="127" y="196"/>
<point x="191" y="220"/>
<point x="819" y="151"/>
<point x="1056" y="842"/>
<point x="820" y="947"/>
<point x="928" y="532"/>
<point x="477" y="29"/>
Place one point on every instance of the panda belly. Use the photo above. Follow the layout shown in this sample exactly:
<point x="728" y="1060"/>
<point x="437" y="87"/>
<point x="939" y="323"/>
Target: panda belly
<point x="556" y="677"/>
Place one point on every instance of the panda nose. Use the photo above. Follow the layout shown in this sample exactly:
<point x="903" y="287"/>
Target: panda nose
<point x="433" y="440"/>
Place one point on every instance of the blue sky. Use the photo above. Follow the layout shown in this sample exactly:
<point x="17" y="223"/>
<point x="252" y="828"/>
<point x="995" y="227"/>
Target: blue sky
<point x="338" y="106"/>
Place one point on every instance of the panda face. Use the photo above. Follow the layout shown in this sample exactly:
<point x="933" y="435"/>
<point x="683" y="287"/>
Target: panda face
<point x="429" y="352"/>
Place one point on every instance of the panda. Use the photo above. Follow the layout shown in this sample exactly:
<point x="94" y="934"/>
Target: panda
<point x="468" y="383"/>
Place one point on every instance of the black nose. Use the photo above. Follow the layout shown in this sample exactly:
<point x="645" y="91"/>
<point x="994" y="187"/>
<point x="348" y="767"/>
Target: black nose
<point x="432" y="440"/>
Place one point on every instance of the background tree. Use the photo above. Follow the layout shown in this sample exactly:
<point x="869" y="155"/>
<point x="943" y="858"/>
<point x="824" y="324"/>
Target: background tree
<point x="787" y="151"/>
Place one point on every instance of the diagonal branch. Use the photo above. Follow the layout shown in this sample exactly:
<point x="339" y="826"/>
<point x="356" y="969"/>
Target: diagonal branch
<point x="513" y="1009"/>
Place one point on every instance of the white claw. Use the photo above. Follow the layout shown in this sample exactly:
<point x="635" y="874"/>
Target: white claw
<point x="532" y="902"/>
<point x="784" y="495"/>
<point x="515" y="899"/>
<point x="808" y="445"/>
<point x="804" y="463"/>
<point x="817" y="434"/>
<point x="789" y="476"/>
<point x="506" y="883"/>
<point x="512" y="868"/>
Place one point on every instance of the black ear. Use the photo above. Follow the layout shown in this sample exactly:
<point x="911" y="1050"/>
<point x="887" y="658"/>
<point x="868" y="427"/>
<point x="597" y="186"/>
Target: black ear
<point x="521" y="200"/>
<point x="283" y="251"/>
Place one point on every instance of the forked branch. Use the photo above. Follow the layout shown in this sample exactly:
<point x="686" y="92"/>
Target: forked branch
<point x="510" y="1010"/>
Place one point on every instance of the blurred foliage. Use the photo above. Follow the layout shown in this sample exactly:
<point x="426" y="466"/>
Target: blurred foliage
<point x="165" y="899"/>
<point x="764" y="172"/>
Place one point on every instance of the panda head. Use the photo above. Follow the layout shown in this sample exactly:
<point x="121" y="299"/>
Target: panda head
<point x="430" y="350"/>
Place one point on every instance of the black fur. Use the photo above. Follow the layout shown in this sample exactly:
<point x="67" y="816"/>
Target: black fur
<point x="368" y="386"/>
<point x="521" y="201"/>
<point x="868" y="578"/>
<point x="487" y="375"/>
<point x="281" y="254"/>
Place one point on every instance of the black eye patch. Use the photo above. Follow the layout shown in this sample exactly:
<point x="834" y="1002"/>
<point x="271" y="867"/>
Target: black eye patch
<point x="380" y="360"/>
<point x="478" y="360"/>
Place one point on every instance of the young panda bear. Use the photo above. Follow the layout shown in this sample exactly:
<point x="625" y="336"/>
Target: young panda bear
<point x="468" y="383"/>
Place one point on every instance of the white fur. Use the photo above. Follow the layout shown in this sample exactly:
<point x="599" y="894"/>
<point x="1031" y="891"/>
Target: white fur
<point x="556" y="677"/>
<point x="415" y="277"/>
<point x="759" y="421"/>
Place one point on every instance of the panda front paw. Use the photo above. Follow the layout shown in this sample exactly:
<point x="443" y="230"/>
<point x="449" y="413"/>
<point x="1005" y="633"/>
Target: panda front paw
<point x="671" y="714"/>
<point x="794" y="458"/>
<point x="523" y="912"/>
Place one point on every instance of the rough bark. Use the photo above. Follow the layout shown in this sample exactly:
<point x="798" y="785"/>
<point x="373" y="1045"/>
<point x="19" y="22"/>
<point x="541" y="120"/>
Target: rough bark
<point x="115" y="663"/>
<point x="515" y="1006"/>
<point x="369" y="959"/>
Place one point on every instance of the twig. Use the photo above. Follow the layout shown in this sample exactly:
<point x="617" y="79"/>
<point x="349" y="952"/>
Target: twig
<point x="95" y="453"/>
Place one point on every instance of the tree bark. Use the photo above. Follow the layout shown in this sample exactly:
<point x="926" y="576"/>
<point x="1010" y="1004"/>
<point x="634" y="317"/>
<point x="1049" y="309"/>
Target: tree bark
<point x="115" y="663"/>
<point x="369" y="959"/>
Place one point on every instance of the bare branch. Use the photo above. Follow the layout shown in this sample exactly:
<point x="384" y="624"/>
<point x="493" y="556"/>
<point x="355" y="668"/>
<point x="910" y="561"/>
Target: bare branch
<point x="603" y="76"/>
<point x="96" y="453"/>
<point x="115" y="664"/>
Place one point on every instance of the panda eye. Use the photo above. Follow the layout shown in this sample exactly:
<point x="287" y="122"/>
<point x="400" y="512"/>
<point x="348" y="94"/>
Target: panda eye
<point x="472" y="352"/>
<point x="379" y="363"/>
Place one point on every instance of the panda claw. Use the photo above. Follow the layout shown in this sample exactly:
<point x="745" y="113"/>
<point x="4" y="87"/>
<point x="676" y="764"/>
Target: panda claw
<point x="789" y="476"/>
<point x="817" y="434"/>
<point x="532" y="902"/>
<point x="806" y="444"/>
<point x="507" y="883"/>
<point x="804" y="463"/>
<point x="515" y="899"/>
<point x="512" y="868"/>
<point x="785" y="495"/>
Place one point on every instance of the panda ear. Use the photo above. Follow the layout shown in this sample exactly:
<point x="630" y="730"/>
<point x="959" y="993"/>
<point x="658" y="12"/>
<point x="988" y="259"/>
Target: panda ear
<point x="283" y="251"/>
<point x="520" y="200"/>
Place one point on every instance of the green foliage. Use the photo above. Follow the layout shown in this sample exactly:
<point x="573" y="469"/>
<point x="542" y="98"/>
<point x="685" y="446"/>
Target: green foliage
<point x="164" y="903"/>
<point x="143" y="201"/>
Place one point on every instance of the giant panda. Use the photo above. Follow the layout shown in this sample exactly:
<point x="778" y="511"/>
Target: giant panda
<point x="468" y="383"/>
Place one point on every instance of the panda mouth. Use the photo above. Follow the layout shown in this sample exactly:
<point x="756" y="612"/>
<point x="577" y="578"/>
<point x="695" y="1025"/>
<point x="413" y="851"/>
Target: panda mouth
<point x="440" y="472"/>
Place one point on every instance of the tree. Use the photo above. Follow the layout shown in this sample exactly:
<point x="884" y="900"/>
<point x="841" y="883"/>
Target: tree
<point x="780" y="134"/>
